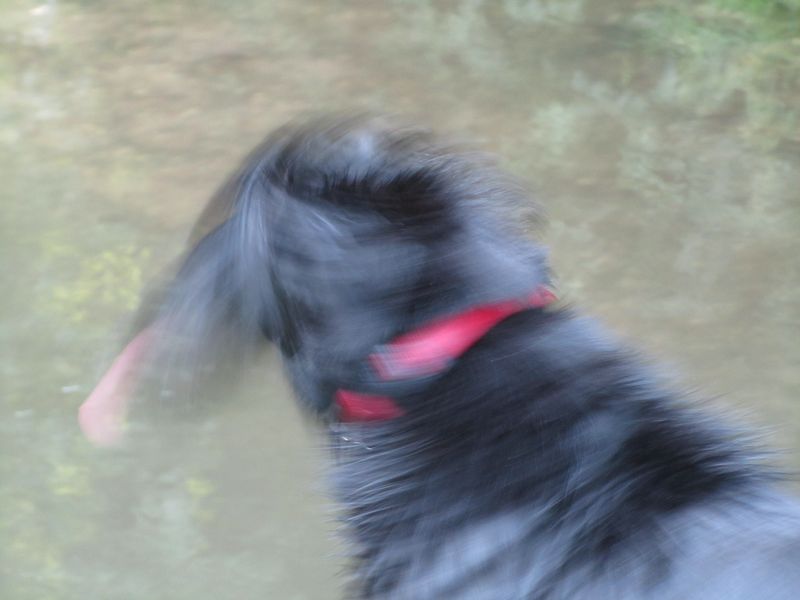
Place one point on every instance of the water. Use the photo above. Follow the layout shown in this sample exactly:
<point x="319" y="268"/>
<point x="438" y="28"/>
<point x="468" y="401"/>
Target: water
<point x="663" y="139"/>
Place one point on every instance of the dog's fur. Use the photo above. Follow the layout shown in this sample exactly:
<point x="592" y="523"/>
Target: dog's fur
<point x="548" y="462"/>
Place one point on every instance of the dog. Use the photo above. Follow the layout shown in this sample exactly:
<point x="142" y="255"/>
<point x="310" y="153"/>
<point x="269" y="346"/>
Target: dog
<point x="489" y="442"/>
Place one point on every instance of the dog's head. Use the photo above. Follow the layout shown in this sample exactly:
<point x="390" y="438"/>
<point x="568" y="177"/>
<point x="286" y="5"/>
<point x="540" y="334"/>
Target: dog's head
<point x="337" y="235"/>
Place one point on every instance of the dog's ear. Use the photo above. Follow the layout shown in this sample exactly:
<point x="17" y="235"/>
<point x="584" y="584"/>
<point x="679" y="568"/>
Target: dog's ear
<point x="419" y="200"/>
<point x="221" y="298"/>
<point x="366" y="164"/>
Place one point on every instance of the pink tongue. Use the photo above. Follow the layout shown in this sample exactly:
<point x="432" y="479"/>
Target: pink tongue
<point x="102" y="414"/>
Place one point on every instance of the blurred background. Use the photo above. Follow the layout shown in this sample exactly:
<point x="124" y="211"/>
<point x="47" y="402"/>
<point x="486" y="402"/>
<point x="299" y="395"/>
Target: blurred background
<point x="662" y="136"/>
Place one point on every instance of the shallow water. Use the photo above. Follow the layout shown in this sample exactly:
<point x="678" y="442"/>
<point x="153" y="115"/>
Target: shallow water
<point x="663" y="140"/>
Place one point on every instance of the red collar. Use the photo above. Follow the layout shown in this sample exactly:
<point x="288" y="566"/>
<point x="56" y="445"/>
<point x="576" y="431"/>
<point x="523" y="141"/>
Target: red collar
<point x="427" y="352"/>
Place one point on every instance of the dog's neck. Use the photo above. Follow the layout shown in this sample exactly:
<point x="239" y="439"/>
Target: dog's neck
<point x="412" y="360"/>
<point x="351" y="326"/>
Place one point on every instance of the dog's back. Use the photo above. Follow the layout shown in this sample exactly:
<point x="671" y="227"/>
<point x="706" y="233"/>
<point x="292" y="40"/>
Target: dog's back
<point x="550" y="464"/>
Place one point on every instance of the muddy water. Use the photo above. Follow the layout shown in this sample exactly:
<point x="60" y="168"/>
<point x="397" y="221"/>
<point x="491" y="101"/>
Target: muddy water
<point x="664" y="142"/>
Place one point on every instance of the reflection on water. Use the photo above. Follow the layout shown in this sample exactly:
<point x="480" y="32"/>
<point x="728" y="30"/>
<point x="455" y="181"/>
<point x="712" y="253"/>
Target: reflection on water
<point x="665" y="138"/>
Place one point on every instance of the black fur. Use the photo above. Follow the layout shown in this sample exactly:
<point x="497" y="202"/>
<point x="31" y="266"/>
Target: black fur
<point x="548" y="462"/>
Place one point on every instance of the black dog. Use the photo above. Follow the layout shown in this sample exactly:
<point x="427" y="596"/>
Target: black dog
<point x="488" y="444"/>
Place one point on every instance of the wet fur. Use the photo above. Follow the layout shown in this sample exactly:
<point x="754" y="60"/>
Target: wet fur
<point x="547" y="463"/>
